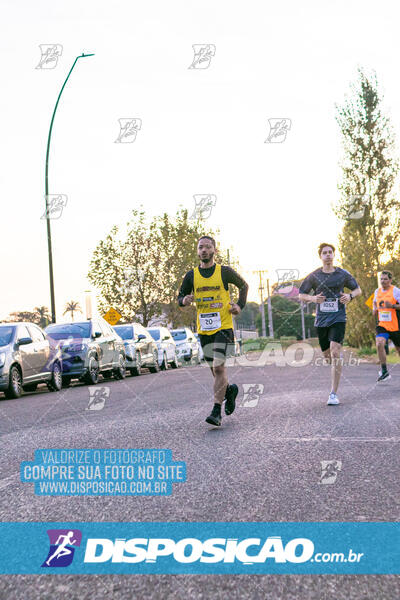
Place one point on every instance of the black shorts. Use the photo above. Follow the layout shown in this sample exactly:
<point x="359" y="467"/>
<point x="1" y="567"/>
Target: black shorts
<point x="218" y="345"/>
<point x="389" y="335"/>
<point x="332" y="333"/>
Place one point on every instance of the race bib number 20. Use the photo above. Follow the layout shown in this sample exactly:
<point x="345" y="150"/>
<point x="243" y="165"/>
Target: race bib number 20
<point x="210" y="321"/>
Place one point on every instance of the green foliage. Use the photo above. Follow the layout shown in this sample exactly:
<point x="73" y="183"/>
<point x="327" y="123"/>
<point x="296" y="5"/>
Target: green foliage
<point x="248" y="316"/>
<point x="40" y="316"/>
<point x="369" y="170"/>
<point x="286" y="316"/>
<point x="139" y="271"/>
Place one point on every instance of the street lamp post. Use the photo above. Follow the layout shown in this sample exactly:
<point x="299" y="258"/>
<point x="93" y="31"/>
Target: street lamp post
<point x="53" y="305"/>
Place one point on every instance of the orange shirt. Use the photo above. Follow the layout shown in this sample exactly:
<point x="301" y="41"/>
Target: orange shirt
<point x="388" y="317"/>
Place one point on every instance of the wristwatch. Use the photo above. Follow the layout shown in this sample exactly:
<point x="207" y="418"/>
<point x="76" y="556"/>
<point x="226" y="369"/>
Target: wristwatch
<point x="351" y="296"/>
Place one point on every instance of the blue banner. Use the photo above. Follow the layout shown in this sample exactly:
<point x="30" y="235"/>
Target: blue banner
<point x="196" y="548"/>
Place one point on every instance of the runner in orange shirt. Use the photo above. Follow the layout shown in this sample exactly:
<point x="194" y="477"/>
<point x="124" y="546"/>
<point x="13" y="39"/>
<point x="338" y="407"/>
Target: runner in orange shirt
<point x="386" y="306"/>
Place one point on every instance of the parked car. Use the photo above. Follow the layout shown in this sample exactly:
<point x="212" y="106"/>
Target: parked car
<point x="88" y="348"/>
<point x="201" y="353"/>
<point x="140" y="348"/>
<point x="166" y="347"/>
<point x="186" y="345"/>
<point x="27" y="358"/>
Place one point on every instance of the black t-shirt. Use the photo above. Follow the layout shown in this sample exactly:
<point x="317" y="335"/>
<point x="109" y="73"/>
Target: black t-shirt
<point x="228" y="275"/>
<point x="331" y="285"/>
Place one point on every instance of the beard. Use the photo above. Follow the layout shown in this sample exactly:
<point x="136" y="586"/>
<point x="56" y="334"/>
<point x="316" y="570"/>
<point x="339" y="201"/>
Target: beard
<point x="207" y="259"/>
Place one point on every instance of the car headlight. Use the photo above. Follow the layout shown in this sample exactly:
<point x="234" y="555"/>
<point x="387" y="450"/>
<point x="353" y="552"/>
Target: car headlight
<point x="2" y="358"/>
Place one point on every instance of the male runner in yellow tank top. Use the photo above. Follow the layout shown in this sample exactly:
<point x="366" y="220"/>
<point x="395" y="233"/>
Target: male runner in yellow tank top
<point x="386" y="306"/>
<point x="207" y="286"/>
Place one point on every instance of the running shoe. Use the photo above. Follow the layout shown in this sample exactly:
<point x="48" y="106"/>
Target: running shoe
<point x="333" y="399"/>
<point x="215" y="417"/>
<point x="384" y="376"/>
<point x="230" y="395"/>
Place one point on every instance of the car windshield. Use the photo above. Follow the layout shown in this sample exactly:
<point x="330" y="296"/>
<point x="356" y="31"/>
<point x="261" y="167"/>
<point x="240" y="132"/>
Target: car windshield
<point x="68" y="330"/>
<point x="179" y="334"/>
<point x="6" y="333"/>
<point x="155" y="334"/>
<point x="125" y="332"/>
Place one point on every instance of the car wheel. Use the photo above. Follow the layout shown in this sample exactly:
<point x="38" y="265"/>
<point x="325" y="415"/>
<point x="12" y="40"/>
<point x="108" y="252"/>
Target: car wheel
<point x="29" y="387"/>
<point x="14" y="389"/>
<point x="137" y="370"/>
<point x="92" y="376"/>
<point x="55" y="383"/>
<point x="164" y="364"/>
<point x="66" y="382"/>
<point x="175" y="362"/>
<point x="120" y="371"/>
<point x="156" y="367"/>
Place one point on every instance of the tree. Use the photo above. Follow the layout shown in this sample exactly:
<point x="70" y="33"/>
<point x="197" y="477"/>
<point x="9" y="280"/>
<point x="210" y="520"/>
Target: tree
<point x="40" y="316"/>
<point x="286" y="317"/>
<point x="43" y="316"/>
<point x="367" y="206"/>
<point x="22" y="315"/>
<point x="139" y="271"/>
<point x="248" y="316"/>
<point x="72" y="307"/>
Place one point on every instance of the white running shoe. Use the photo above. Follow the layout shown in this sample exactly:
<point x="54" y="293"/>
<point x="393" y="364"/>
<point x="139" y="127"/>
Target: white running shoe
<point x="384" y="376"/>
<point x="333" y="399"/>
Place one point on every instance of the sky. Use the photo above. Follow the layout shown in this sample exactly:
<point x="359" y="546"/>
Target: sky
<point x="203" y="131"/>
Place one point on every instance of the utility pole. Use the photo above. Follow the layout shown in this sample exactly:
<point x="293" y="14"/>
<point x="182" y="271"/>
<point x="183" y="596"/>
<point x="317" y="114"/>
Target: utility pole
<point x="303" y="327"/>
<point x="270" y="321"/>
<point x="262" y="308"/>
<point x="46" y="188"/>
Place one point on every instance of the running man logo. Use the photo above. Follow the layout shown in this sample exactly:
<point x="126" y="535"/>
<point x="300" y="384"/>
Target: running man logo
<point x="203" y="54"/>
<point x="97" y="397"/>
<point x="278" y="129"/>
<point x="357" y="206"/>
<point x="203" y="205"/>
<point x="50" y="55"/>
<point x="132" y="280"/>
<point x="286" y="278"/>
<point x="128" y="130"/>
<point x="62" y="547"/>
<point x="329" y="471"/>
<point x="55" y="203"/>
<point x="251" y="394"/>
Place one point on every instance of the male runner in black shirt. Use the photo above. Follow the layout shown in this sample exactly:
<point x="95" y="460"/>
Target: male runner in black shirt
<point x="328" y="283"/>
<point x="207" y="285"/>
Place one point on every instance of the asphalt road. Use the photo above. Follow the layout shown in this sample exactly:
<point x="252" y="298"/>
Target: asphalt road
<point x="263" y="464"/>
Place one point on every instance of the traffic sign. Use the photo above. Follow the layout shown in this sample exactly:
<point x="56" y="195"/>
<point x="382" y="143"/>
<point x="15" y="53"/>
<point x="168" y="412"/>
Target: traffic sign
<point x="112" y="316"/>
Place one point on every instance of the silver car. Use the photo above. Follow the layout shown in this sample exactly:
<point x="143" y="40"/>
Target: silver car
<point x="186" y="345"/>
<point x="140" y="348"/>
<point x="166" y="345"/>
<point x="27" y="358"/>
